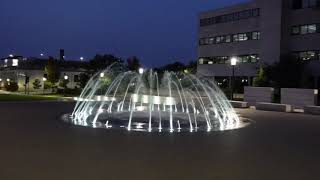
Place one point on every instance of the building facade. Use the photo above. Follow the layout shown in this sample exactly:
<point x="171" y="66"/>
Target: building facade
<point x="257" y="33"/>
<point x="25" y="71"/>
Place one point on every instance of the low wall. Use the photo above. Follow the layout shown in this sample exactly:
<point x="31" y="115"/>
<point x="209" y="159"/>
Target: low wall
<point x="239" y="104"/>
<point x="273" y="107"/>
<point x="258" y="94"/>
<point x="312" y="110"/>
<point x="299" y="97"/>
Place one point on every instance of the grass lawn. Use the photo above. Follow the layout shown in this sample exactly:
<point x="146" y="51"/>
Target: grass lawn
<point x="18" y="97"/>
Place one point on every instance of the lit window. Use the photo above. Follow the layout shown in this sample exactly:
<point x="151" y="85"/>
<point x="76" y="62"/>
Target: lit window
<point x="218" y="39"/>
<point x="228" y="38"/>
<point x="15" y="62"/>
<point x="255" y="35"/>
<point x="312" y="28"/>
<point x="295" y="30"/>
<point x="235" y="38"/>
<point x="304" y="29"/>
<point x="211" y="40"/>
<point x="201" y="61"/>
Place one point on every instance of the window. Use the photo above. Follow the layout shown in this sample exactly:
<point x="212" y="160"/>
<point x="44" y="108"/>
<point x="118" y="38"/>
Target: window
<point x="218" y="39"/>
<point x="305" y="29"/>
<point x="235" y="38"/>
<point x="253" y="58"/>
<point x="242" y="37"/>
<point x="306" y="55"/>
<point x="228" y="38"/>
<point x="299" y="4"/>
<point x="255" y="35"/>
<point x="230" y="17"/>
<point x="312" y="28"/>
<point x="295" y="30"/>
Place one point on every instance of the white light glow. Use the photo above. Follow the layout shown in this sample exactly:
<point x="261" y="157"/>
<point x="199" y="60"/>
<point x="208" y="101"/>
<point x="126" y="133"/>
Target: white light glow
<point x="8" y="80"/>
<point x="15" y="62"/>
<point x="141" y="70"/>
<point x="81" y="58"/>
<point x="66" y="77"/>
<point x="44" y="79"/>
<point x="10" y="55"/>
<point x="101" y="75"/>
<point x="234" y="61"/>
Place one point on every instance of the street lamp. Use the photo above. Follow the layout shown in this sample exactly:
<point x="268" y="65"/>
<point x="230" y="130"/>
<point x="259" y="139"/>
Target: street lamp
<point x="66" y="77"/>
<point x="233" y="62"/>
<point x="101" y="75"/>
<point x="81" y="58"/>
<point x="41" y="54"/>
<point x="44" y="79"/>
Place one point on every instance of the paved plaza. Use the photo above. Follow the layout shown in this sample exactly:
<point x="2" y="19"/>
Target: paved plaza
<point x="35" y="144"/>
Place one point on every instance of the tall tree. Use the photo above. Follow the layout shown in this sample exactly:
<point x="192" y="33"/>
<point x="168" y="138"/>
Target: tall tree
<point x="100" y="62"/>
<point x="52" y="71"/>
<point x="133" y="63"/>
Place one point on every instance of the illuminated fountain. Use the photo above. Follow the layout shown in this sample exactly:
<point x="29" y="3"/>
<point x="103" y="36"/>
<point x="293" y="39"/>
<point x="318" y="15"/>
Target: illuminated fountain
<point x="152" y="102"/>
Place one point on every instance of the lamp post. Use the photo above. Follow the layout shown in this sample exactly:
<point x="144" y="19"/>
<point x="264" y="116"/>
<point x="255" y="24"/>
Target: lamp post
<point x="44" y="81"/>
<point x="233" y="62"/>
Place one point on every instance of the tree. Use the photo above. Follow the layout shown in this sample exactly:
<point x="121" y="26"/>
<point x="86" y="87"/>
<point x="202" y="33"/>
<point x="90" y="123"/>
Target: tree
<point x="36" y="84"/>
<point x="100" y="62"/>
<point x="133" y="63"/>
<point x="52" y="71"/>
<point x="287" y="73"/>
<point x="11" y="86"/>
<point x="261" y="80"/>
<point x="64" y="83"/>
<point x="84" y="78"/>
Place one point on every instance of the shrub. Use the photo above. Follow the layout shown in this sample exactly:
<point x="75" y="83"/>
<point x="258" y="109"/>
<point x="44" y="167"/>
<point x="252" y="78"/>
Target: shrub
<point x="11" y="86"/>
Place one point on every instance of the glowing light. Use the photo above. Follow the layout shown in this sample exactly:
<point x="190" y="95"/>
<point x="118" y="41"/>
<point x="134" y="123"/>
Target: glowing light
<point x="234" y="61"/>
<point x="8" y="80"/>
<point x="10" y="55"/>
<point x="81" y="58"/>
<point x="0" y="79"/>
<point x="101" y="75"/>
<point x="44" y="79"/>
<point x="15" y="62"/>
<point x="66" y="77"/>
<point x="41" y="54"/>
<point x="140" y="108"/>
<point x="141" y="70"/>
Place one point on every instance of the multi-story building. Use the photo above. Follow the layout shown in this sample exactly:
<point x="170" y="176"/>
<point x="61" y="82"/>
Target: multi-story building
<point x="257" y="33"/>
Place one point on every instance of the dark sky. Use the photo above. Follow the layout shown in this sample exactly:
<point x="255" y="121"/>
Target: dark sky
<point x="157" y="31"/>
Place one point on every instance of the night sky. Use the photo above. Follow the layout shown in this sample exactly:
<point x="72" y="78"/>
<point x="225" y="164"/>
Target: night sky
<point x="156" y="31"/>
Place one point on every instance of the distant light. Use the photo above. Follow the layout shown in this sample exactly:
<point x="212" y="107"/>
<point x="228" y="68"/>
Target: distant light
<point x="15" y="62"/>
<point x="8" y="80"/>
<point x="10" y="55"/>
<point x="44" y="79"/>
<point x="41" y="54"/>
<point x="0" y="80"/>
<point x="141" y="70"/>
<point x="66" y="77"/>
<point x="81" y="58"/>
<point x="234" y="61"/>
<point x="101" y="75"/>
